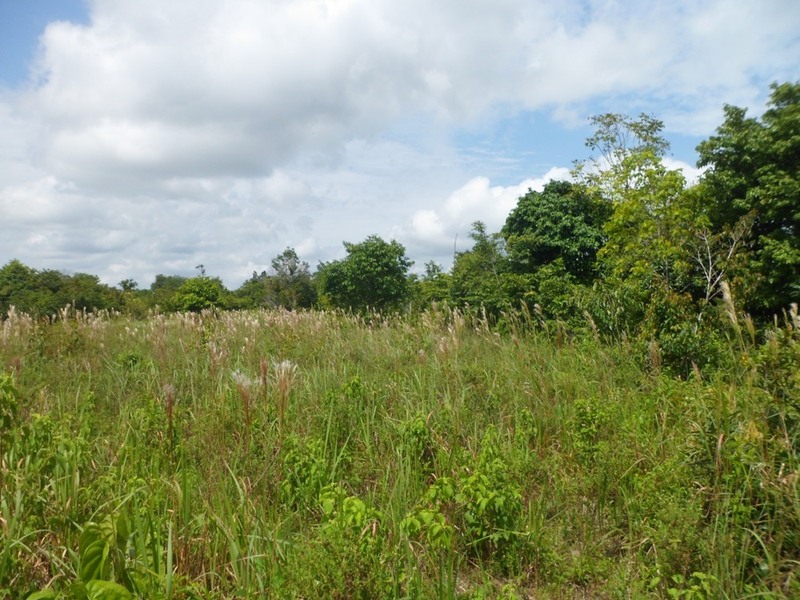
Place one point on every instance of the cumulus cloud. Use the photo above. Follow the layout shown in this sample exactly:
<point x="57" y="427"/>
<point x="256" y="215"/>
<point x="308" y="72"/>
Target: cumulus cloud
<point x="433" y="230"/>
<point x="163" y="134"/>
<point x="236" y="88"/>
<point x="691" y="174"/>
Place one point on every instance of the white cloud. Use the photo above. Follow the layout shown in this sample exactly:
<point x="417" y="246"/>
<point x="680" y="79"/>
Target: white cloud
<point x="236" y="88"/>
<point x="691" y="174"/>
<point x="165" y="134"/>
<point x="434" y="230"/>
<point x="427" y="225"/>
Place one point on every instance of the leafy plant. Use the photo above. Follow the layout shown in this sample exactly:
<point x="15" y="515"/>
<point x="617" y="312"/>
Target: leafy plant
<point x="305" y="473"/>
<point x="102" y="572"/>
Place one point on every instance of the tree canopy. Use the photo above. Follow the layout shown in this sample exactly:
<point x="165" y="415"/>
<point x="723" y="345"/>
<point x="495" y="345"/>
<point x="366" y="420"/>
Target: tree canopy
<point x="199" y="293"/>
<point x="564" y="220"/>
<point x="373" y="275"/>
<point x="45" y="292"/>
<point x="753" y="171"/>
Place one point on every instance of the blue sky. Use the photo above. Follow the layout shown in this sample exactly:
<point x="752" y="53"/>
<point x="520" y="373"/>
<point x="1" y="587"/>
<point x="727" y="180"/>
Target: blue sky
<point x="21" y="24"/>
<point x="144" y="137"/>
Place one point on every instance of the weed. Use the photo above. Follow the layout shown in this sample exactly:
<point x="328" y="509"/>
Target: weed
<point x="428" y="456"/>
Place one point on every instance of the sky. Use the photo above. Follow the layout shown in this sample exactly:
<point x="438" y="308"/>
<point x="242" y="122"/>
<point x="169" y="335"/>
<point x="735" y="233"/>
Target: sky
<point x="142" y="137"/>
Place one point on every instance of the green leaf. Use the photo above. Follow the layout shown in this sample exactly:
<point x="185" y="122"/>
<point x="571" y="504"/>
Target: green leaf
<point x="94" y="560"/>
<point x="77" y="591"/>
<point x="328" y="505"/>
<point x="107" y="590"/>
<point x="122" y="532"/>
<point x="42" y="595"/>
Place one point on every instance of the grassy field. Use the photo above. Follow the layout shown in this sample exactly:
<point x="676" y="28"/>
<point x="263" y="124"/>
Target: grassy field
<point x="321" y="455"/>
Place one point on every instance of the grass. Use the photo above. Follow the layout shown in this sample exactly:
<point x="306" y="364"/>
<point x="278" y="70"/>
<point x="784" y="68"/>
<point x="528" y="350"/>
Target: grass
<point x="321" y="455"/>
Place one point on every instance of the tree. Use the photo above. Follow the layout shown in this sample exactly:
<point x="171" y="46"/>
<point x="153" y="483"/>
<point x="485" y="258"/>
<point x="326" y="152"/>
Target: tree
<point x="291" y="284"/>
<point x="661" y="261"/>
<point x="373" y="275"/>
<point x="255" y="293"/>
<point x="17" y="283"/>
<point x="623" y="148"/>
<point x="565" y="221"/>
<point x="45" y="292"/>
<point x="85" y="292"/>
<point x="647" y="232"/>
<point x="718" y="254"/>
<point x="163" y="289"/>
<point x="661" y="235"/>
<point x="617" y="136"/>
<point x="433" y="286"/>
<point x="482" y="276"/>
<point x="753" y="171"/>
<point x="199" y="293"/>
<point x="128" y="285"/>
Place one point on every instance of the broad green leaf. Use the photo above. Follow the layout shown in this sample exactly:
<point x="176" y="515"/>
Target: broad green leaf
<point x="77" y="591"/>
<point x="122" y="532"/>
<point x="94" y="560"/>
<point x="107" y="590"/>
<point x="42" y="595"/>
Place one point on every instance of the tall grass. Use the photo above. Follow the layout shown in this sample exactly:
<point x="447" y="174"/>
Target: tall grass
<point x="310" y="454"/>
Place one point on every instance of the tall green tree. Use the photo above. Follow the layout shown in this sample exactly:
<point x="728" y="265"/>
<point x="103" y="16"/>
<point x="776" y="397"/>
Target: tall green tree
<point x="289" y="286"/>
<point x="563" y="221"/>
<point x="163" y="290"/>
<point x="433" y="286"/>
<point x="373" y="275"/>
<point x="291" y="283"/>
<point x="199" y="293"/>
<point x="647" y="231"/>
<point x="623" y="148"/>
<point x="18" y="288"/>
<point x="482" y="276"/>
<point x="45" y="292"/>
<point x="753" y="171"/>
<point x="662" y="261"/>
<point x="85" y="292"/>
<point x="255" y="292"/>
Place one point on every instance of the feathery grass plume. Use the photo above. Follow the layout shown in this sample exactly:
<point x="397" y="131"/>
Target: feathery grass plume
<point x="592" y="324"/>
<point x="217" y="355"/>
<point x="17" y="326"/>
<point x="730" y="308"/>
<point x="285" y="374"/>
<point x="65" y="312"/>
<point x="526" y="314"/>
<point x="483" y="321"/>
<point x="750" y="328"/>
<point x="244" y="386"/>
<point x="654" y="353"/>
<point x="455" y="331"/>
<point x="730" y="311"/>
<point x="540" y="318"/>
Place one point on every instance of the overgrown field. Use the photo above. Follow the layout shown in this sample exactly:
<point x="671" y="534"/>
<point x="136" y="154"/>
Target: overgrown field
<point x="321" y="455"/>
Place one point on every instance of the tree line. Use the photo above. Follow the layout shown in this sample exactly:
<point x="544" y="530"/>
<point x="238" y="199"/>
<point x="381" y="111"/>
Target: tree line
<point x="627" y="248"/>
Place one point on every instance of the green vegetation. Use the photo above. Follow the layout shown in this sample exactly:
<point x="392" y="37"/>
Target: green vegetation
<point x="317" y="454"/>
<point x="753" y="177"/>
<point x="373" y="276"/>
<point x="600" y="400"/>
